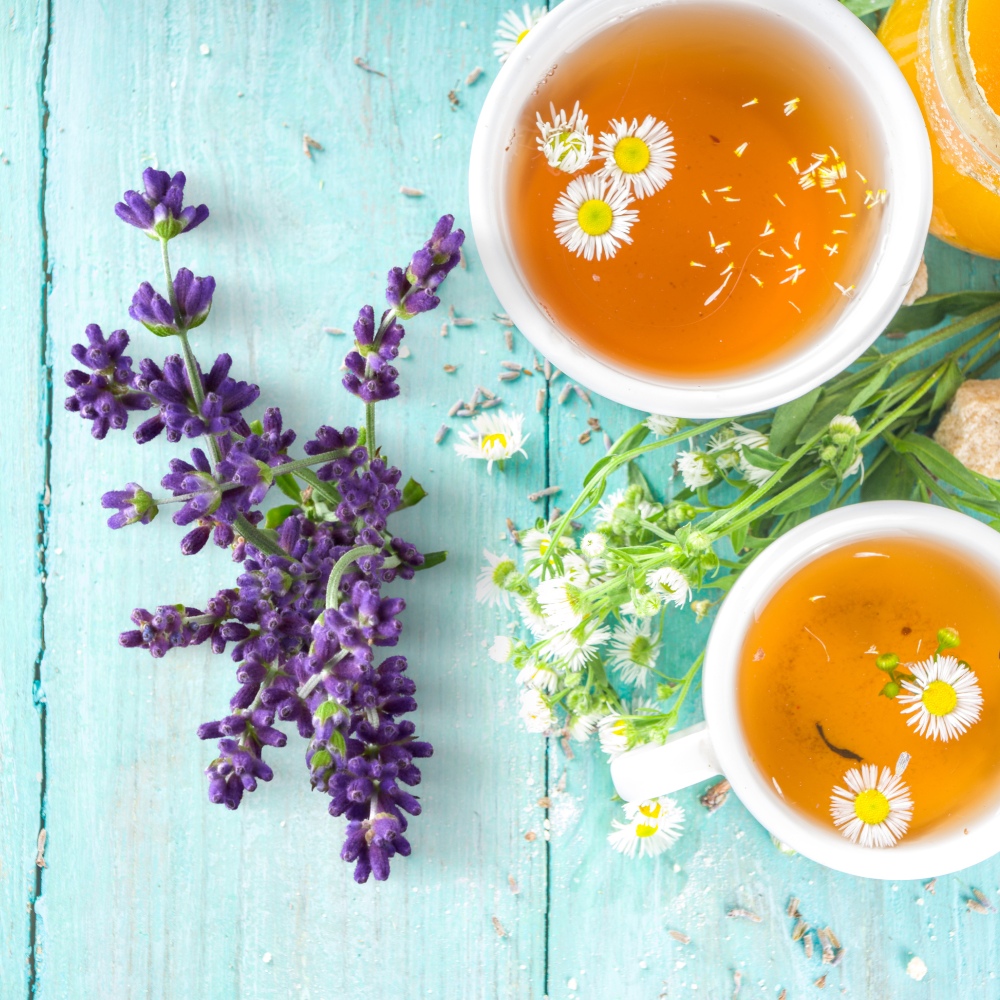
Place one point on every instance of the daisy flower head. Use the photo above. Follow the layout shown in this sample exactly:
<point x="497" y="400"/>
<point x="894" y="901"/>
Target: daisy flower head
<point x="662" y="426"/>
<point x="593" y="544"/>
<point x="696" y="468"/>
<point x="494" y="437"/>
<point x="943" y="699"/>
<point x="634" y="649"/>
<point x="539" y="676"/>
<point x="536" y="543"/>
<point x="670" y="584"/>
<point x="490" y="584"/>
<point x="565" y="141"/>
<point x="651" y="827"/>
<point x="502" y="649"/>
<point x="612" y="731"/>
<point x="512" y="29"/>
<point x="639" y="157"/>
<point x="563" y="603"/>
<point x="875" y="809"/>
<point x="533" y="615"/>
<point x="535" y="712"/>
<point x="582" y="727"/>
<point x="593" y="217"/>
<point x="574" y="647"/>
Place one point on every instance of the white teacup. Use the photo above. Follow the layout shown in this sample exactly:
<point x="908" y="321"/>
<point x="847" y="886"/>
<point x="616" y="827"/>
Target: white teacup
<point x="901" y="144"/>
<point x="718" y="745"/>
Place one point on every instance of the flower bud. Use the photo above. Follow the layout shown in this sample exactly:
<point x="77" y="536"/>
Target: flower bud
<point x="891" y="689"/>
<point x="887" y="661"/>
<point x="593" y="544"/>
<point x="701" y="608"/>
<point x="947" y="638"/>
<point x="698" y="541"/>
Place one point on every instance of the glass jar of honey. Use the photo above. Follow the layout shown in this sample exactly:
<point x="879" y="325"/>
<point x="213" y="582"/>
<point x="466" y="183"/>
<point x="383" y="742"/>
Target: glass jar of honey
<point x="949" y="52"/>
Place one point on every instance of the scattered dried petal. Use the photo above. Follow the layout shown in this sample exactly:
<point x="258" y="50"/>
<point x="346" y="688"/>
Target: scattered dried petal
<point x="715" y="796"/>
<point x="544" y="802"/>
<point x="508" y="337"/>
<point x="361" y="64"/>
<point x="742" y="914"/>
<point x="473" y="76"/>
<point x="514" y="366"/>
<point x="540" y="400"/>
<point x="680" y="936"/>
<point x="335" y="330"/>
<point x="584" y="438"/>
<point x="450" y="368"/>
<point x="531" y="835"/>
<point x="498" y="927"/>
<point x="564" y="394"/>
<point x="508" y="376"/>
<point x="513" y="532"/>
<point x="931" y="887"/>
<point x="309" y="144"/>
<point x="821" y="982"/>
<point x="582" y="393"/>
<point x="411" y="192"/>
<point x="549" y="491"/>
<point x="512" y="882"/>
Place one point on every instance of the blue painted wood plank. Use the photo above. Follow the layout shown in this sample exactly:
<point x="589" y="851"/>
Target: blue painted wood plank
<point x="151" y="891"/>
<point x="23" y="432"/>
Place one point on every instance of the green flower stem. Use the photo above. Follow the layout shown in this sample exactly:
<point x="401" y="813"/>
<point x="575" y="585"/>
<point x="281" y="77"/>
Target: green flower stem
<point x="325" y="490"/>
<point x="370" y="429"/>
<point x="256" y="537"/>
<point x="340" y="567"/>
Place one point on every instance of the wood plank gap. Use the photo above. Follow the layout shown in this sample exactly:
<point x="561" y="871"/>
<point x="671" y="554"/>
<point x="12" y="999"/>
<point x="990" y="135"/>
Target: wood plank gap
<point x="45" y="490"/>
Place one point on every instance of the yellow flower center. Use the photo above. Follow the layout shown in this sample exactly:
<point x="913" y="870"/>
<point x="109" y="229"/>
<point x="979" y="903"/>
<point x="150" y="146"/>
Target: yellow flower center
<point x="650" y="809"/>
<point x="489" y="440"/>
<point x="645" y="829"/>
<point x="871" y="807"/>
<point x="520" y="37"/>
<point x="939" y="698"/>
<point x="631" y="155"/>
<point x="595" y="217"/>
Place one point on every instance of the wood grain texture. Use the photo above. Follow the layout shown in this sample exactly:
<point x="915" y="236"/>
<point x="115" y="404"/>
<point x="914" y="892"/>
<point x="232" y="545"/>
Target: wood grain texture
<point x="24" y="421"/>
<point x="150" y="890"/>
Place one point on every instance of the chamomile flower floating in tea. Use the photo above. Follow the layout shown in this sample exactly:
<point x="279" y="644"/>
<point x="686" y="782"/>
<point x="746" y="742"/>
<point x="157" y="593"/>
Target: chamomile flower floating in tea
<point x="639" y="157"/>
<point x="943" y="699"/>
<point x="513" y="27"/>
<point x="634" y="649"/>
<point x="593" y="217"/>
<point x="565" y="141"/>
<point x="875" y="809"/>
<point x="650" y="829"/>
<point x="494" y="436"/>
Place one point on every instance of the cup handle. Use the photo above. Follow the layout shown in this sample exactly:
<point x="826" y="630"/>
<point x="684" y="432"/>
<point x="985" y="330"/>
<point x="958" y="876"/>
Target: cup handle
<point x="646" y="772"/>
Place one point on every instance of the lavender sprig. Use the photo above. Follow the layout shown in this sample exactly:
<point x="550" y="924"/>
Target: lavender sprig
<point x="307" y="610"/>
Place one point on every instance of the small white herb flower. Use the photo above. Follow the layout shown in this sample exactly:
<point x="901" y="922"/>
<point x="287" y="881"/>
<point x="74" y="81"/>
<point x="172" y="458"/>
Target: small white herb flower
<point x="565" y="141"/>
<point x="512" y="29"/>
<point x="494" y="437"/>
<point x="502" y="649"/>
<point x="639" y="157"/>
<point x="533" y="615"/>
<point x="652" y="827"/>
<point x="612" y="731"/>
<point x="593" y="217"/>
<point x="662" y="426"/>
<point x="843" y="429"/>
<point x="535" y="674"/>
<point x="875" y="809"/>
<point x="670" y="584"/>
<point x="696" y="468"/>
<point x="535" y="711"/>
<point x="489" y="585"/>
<point x="605" y="515"/>
<point x="574" y="647"/>
<point x="536" y="543"/>
<point x="634" y="649"/>
<point x="943" y="700"/>
<point x="576" y="570"/>
<point x="593" y="544"/>
<point x="581" y="727"/>
<point x="563" y="603"/>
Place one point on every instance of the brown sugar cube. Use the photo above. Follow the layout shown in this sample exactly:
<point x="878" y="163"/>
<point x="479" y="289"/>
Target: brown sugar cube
<point x="970" y="429"/>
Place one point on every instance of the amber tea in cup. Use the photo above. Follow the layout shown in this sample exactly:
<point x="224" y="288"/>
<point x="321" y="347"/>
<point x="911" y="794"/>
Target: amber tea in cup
<point x="869" y="689"/>
<point x="694" y="191"/>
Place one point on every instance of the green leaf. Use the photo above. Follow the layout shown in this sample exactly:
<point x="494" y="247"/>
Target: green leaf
<point x="289" y="485"/>
<point x="432" y="559"/>
<point x="893" y="479"/>
<point x="276" y="516"/>
<point x="830" y="405"/>
<point x="931" y="309"/>
<point x="942" y="464"/>
<point x="947" y="386"/>
<point x="995" y="525"/>
<point x="636" y="478"/>
<point x="413" y="493"/>
<point x="761" y="458"/>
<point x="631" y="439"/>
<point x="789" y="419"/>
<point x="863" y="7"/>
<point x="738" y="538"/>
<point x="597" y="468"/>
<point x="327" y="709"/>
<point x="868" y="389"/>
<point x="812" y="494"/>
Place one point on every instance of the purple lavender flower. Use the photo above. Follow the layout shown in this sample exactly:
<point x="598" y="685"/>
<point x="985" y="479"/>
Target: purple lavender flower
<point x="107" y="394"/>
<point x="370" y="376"/>
<point x="134" y="506"/>
<point x="412" y="291"/>
<point x="194" y="301"/>
<point x="167" y="629"/>
<point x="158" y="210"/>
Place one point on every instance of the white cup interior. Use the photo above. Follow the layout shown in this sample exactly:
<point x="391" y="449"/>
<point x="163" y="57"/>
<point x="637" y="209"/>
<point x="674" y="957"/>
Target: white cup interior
<point x="971" y="836"/>
<point x="899" y="139"/>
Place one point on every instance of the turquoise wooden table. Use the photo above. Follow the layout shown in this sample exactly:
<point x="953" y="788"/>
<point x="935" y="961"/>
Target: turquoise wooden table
<point x="147" y="890"/>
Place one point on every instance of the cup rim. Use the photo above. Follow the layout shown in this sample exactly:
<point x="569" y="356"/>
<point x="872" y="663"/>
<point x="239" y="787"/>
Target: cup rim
<point x="896" y="256"/>
<point x="937" y="852"/>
